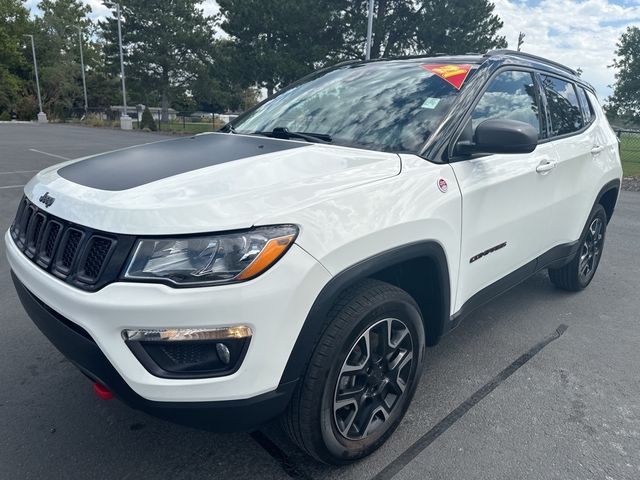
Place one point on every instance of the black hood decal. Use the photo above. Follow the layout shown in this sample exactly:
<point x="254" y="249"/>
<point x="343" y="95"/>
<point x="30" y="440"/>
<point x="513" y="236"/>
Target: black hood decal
<point x="132" y="167"/>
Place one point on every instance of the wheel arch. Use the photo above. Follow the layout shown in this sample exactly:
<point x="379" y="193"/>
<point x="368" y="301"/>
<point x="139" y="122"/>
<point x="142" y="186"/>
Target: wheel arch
<point x="608" y="197"/>
<point x="402" y="266"/>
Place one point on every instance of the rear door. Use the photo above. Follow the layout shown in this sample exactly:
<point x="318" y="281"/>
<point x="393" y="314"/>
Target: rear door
<point x="505" y="197"/>
<point x="573" y="133"/>
<point x="581" y="144"/>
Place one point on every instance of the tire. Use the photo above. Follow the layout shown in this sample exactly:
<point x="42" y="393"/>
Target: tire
<point x="578" y="273"/>
<point x="353" y="360"/>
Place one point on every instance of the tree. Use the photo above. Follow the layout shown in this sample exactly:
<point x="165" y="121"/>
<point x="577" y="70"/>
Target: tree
<point x="394" y="28"/>
<point x="278" y="41"/>
<point x="58" y="52"/>
<point x="103" y="86"/>
<point x="164" y="42"/>
<point x="16" y="92"/>
<point x="217" y="86"/>
<point x="457" y="27"/>
<point x="428" y="27"/>
<point x="625" y="101"/>
<point x="147" y="120"/>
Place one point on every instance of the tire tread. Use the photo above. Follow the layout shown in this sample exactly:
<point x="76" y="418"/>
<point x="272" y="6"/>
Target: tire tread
<point x="566" y="277"/>
<point x="354" y="300"/>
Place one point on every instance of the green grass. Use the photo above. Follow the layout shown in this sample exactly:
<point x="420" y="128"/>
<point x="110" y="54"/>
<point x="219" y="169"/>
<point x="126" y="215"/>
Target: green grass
<point x="630" y="153"/>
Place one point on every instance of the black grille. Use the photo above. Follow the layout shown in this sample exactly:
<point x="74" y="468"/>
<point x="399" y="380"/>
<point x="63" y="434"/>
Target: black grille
<point x="27" y="215"/>
<point x="71" y="242"/>
<point x="52" y="236"/>
<point x="97" y="253"/>
<point x="190" y="352"/>
<point x="86" y="258"/>
<point x="35" y="229"/>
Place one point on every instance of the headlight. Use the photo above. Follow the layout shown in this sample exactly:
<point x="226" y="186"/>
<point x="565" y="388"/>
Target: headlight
<point x="210" y="259"/>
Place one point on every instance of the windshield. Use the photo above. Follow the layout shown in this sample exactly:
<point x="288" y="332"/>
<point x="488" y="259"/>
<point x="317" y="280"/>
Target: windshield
<point x="388" y="106"/>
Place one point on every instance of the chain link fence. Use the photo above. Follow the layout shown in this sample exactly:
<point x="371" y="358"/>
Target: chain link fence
<point x="177" y="122"/>
<point x="630" y="151"/>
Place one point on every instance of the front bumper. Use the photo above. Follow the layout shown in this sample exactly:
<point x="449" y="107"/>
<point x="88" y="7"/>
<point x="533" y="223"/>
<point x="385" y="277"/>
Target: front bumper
<point x="274" y="305"/>
<point x="76" y="344"/>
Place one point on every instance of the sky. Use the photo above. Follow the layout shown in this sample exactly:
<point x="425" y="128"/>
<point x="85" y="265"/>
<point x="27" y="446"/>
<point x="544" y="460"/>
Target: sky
<point x="579" y="34"/>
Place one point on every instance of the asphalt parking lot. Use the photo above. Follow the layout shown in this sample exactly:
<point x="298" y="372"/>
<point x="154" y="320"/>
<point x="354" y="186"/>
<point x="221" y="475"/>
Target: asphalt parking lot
<point x="537" y="384"/>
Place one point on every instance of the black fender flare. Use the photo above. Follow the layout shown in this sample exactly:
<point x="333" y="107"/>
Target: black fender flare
<point x="316" y="320"/>
<point x="612" y="185"/>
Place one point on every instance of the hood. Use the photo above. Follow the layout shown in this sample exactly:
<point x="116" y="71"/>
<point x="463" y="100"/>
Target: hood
<point x="209" y="182"/>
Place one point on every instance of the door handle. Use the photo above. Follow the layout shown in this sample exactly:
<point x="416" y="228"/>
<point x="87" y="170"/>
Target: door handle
<point x="545" y="166"/>
<point x="597" y="149"/>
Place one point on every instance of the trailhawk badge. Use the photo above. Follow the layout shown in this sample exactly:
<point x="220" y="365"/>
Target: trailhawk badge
<point x="442" y="185"/>
<point x="47" y="200"/>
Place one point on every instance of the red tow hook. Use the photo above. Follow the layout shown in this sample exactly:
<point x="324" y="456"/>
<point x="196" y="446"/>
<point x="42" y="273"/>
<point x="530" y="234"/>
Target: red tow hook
<point x="102" y="392"/>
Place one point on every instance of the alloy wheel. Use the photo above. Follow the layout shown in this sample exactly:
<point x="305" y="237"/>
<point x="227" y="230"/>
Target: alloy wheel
<point x="373" y="379"/>
<point x="591" y="249"/>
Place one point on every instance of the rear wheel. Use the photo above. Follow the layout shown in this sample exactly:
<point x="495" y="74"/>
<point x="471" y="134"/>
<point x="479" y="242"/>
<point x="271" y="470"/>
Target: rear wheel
<point x="362" y="375"/>
<point x="580" y="271"/>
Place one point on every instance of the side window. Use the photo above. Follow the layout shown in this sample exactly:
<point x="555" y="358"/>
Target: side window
<point x="587" y="110"/>
<point x="562" y="102"/>
<point x="511" y="95"/>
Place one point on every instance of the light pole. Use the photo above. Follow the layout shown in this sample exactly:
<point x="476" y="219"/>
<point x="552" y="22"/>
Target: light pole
<point x="125" y="120"/>
<point x="42" y="117"/>
<point x="84" y="80"/>
<point x="367" y="54"/>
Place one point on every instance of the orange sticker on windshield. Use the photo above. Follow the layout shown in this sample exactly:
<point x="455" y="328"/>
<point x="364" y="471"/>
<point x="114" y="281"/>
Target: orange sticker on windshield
<point x="454" y="74"/>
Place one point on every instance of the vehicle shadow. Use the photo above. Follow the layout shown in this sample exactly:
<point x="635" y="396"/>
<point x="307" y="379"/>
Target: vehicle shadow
<point x="88" y="438"/>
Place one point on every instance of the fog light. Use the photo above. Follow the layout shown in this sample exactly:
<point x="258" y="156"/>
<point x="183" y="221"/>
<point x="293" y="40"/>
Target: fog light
<point x="223" y="353"/>
<point x="189" y="352"/>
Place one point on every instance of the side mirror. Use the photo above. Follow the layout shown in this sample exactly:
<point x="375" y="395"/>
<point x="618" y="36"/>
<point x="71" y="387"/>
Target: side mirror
<point x="501" y="136"/>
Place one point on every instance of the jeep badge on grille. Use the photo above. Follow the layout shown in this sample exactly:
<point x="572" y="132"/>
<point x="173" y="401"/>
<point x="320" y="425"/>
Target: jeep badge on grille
<point x="47" y="200"/>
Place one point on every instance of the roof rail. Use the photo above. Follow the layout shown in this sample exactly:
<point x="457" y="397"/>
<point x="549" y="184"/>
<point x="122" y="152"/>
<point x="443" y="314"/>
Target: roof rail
<point x="506" y="51"/>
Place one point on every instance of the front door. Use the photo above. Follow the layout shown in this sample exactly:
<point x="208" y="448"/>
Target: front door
<point x="505" y="197"/>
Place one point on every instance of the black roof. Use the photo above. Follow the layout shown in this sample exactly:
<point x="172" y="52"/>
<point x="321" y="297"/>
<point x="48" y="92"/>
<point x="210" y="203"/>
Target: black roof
<point x="530" y="57"/>
<point x="507" y="56"/>
<point x="541" y="63"/>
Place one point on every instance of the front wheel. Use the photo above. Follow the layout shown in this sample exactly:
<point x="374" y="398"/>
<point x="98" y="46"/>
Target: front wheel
<point x="362" y="375"/>
<point x="580" y="271"/>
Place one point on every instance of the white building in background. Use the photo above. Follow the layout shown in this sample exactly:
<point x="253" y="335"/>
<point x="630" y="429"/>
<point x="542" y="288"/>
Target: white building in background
<point x="226" y="118"/>
<point x="156" y="112"/>
<point x="202" y="115"/>
<point x="223" y="117"/>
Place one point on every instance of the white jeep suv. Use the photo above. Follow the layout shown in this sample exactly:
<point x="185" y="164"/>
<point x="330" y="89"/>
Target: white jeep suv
<point x="297" y="263"/>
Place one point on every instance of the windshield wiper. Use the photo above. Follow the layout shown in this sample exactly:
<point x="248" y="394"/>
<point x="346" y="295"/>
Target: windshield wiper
<point x="228" y="128"/>
<point x="286" y="134"/>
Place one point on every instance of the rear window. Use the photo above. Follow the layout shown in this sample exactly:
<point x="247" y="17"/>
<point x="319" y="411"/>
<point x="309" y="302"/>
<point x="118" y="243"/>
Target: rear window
<point x="564" y="109"/>
<point x="587" y="110"/>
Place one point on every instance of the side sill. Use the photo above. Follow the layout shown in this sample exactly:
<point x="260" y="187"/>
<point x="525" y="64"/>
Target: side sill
<point x="556" y="257"/>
